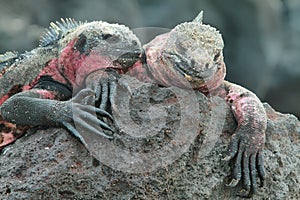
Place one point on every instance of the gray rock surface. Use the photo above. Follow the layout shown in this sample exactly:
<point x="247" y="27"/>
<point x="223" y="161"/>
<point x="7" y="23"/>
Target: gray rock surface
<point x="52" y="164"/>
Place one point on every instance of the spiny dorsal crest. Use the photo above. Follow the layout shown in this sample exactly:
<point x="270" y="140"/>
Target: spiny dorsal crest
<point x="8" y="58"/>
<point x="57" y="29"/>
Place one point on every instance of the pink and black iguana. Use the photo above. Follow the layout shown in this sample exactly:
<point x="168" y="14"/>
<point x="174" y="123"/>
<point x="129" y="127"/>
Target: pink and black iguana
<point x="72" y="52"/>
<point x="36" y="87"/>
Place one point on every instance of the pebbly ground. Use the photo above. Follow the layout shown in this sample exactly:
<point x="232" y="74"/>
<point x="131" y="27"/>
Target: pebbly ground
<point x="52" y="164"/>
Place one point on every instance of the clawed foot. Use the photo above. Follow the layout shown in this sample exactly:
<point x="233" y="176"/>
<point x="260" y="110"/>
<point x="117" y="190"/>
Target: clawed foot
<point x="105" y="90"/>
<point x="246" y="152"/>
<point x="85" y="116"/>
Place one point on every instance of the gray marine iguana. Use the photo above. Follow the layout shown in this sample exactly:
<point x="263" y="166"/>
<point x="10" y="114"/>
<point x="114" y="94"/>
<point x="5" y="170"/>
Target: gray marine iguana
<point x="71" y="52"/>
<point x="190" y="56"/>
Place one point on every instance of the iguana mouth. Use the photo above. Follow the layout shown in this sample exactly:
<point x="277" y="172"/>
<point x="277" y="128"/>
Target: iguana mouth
<point x="189" y="69"/>
<point x="129" y="58"/>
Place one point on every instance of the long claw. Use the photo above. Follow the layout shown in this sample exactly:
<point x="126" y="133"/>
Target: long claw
<point x="6" y="139"/>
<point x="246" y="172"/>
<point x="92" y="119"/>
<point x="112" y="94"/>
<point x="97" y="92"/>
<point x="73" y="130"/>
<point x="253" y="174"/>
<point x="104" y="96"/>
<point x="103" y="112"/>
<point x="112" y="89"/>
<point x="237" y="171"/>
<point x="92" y="109"/>
<point x="92" y="129"/>
<point x="250" y="184"/>
<point x="233" y="149"/>
<point x="261" y="169"/>
<point x="233" y="182"/>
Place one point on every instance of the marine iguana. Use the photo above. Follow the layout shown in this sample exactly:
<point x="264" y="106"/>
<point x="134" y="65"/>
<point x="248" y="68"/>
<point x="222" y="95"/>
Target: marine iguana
<point x="192" y="50"/>
<point x="190" y="56"/>
<point x="36" y="87"/>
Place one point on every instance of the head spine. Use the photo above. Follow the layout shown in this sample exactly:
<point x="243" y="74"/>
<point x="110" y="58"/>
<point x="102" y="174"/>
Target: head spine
<point x="199" y="18"/>
<point x="56" y="30"/>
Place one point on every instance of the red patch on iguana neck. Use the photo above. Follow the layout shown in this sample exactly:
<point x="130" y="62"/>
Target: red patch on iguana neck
<point x="4" y="98"/>
<point x="76" y="66"/>
<point x="69" y="61"/>
<point x="46" y="94"/>
<point x="51" y="70"/>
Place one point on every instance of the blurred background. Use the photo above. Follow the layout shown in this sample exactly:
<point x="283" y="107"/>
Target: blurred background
<point x="262" y="38"/>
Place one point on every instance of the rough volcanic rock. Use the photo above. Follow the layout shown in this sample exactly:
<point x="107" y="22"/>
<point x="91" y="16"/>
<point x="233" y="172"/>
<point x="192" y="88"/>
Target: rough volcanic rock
<point x="52" y="164"/>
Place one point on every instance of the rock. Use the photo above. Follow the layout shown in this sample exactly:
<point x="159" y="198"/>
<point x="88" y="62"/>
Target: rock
<point x="52" y="164"/>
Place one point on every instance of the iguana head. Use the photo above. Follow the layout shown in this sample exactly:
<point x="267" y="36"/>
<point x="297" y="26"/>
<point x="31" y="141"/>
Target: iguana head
<point x="194" y="51"/>
<point x="116" y="42"/>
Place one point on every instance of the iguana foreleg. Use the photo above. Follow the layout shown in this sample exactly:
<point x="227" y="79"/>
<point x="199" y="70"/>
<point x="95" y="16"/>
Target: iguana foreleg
<point x="248" y="140"/>
<point x="39" y="107"/>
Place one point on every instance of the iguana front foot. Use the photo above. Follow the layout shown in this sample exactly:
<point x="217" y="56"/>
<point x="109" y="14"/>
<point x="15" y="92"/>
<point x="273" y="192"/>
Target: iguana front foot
<point x="82" y="114"/>
<point x="247" y="160"/>
<point x="104" y="87"/>
<point x="247" y="142"/>
<point x="28" y="109"/>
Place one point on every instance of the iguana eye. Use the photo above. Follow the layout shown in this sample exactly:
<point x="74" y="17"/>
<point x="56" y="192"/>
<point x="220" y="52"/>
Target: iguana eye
<point x="217" y="56"/>
<point x="111" y="38"/>
<point x="81" y="44"/>
<point x="106" y="36"/>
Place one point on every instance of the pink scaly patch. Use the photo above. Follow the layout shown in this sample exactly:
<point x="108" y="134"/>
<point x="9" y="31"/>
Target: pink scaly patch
<point x="51" y="70"/>
<point x="69" y="61"/>
<point x="47" y="94"/>
<point x="3" y="99"/>
<point x="6" y="138"/>
<point x="76" y="66"/>
<point x="9" y="133"/>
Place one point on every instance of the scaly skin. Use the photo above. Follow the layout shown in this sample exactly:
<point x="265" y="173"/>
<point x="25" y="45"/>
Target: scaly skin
<point x="190" y="56"/>
<point x="85" y="61"/>
<point x="37" y="87"/>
